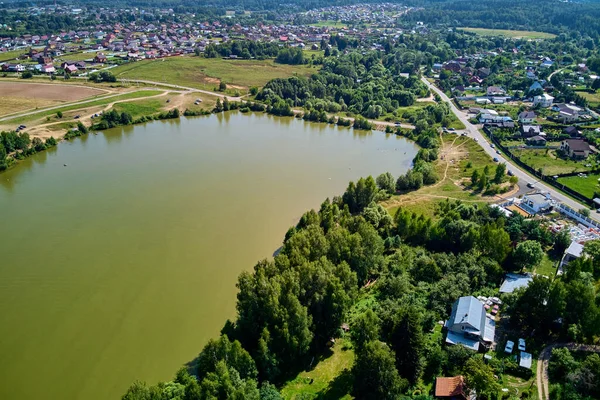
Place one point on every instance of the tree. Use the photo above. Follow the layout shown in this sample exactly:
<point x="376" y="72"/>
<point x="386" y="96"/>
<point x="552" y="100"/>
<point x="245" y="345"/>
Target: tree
<point x="231" y="353"/>
<point x="375" y="374"/>
<point x="480" y="376"/>
<point x="584" y="211"/>
<point x="365" y="329"/>
<point x="386" y="182"/>
<point x="562" y="241"/>
<point x="494" y="242"/>
<point x="407" y="340"/>
<point x="561" y="364"/>
<point x="59" y="114"/>
<point x="530" y="308"/>
<point x="26" y="75"/>
<point x="528" y="254"/>
<point x="500" y="172"/>
<point x="474" y="178"/>
<point x="253" y="90"/>
<point x="222" y="86"/>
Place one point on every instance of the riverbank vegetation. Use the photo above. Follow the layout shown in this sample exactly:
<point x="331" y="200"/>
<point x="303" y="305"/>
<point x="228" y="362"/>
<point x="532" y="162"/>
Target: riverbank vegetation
<point x="411" y="268"/>
<point x="17" y="146"/>
<point x="574" y="375"/>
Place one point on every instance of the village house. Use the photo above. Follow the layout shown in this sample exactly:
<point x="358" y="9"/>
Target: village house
<point x="536" y="141"/>
<point x="469" y="325"/>
<point x="495" y="91"/>
<point x="572" y="131"/>
<point x="543" y="100"/>
<point x="531" y="131"/>
<point x="575" y="148"/>
<point x="527" y="117"/>
<point x="536" y="203"/>
<point x="568" y="112"/>
<point x="453" y="388"/>
<point x="100" y="58"/>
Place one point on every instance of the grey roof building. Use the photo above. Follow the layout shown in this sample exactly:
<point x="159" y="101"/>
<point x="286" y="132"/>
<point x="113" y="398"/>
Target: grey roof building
<point x="469" y="325"/>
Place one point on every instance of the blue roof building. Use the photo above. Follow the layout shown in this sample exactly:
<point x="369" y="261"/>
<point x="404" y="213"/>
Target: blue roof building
<point x="469" y="325"/>
<point x="513" y="282"/>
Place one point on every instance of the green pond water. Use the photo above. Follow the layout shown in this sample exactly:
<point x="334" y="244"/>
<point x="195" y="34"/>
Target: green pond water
<point x="121" y="265"/>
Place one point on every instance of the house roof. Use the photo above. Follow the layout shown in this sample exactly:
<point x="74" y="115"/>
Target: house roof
<point x="449" y="387"/>
<point x="571" y="130"/>
<point x="514" y="281"/>
<point x="537" y="138"/>
<point x="468" y="310"/>
<point x="578" y="144"/>
<point x="575" y="249"/>
<point x="525" y="360"/>
<point x="527" y="115"/>
<point x="532" y="128"/>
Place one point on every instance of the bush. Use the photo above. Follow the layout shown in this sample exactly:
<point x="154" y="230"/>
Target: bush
<point x="27" y="75"/>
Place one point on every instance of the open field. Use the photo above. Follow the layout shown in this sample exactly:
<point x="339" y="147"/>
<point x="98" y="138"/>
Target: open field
<point x="77" y="56"/>
<point x="592" y="98"/>
<point x="20" y="96"/>
<point x="330" y="379"/>
<point x="459" y="156"/>
<point x="11" y="55"/>
<point x="548" y="161"/>
<point x="509" y="33"/>
<point x="48" y="116"/>
<point x="207" y="73"/>
<point x="140" y="108"/>
<point x="47" y="91"/>
<point x="585" y="186"/>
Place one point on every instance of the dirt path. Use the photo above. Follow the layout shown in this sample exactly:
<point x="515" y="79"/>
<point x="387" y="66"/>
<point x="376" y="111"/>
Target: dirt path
<point x="542" y="366"/>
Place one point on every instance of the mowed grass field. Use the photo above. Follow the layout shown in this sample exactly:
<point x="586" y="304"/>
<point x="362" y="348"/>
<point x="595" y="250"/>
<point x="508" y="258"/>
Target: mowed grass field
<point x="207" y="73"/>
<point x="510" y="33"/>
<point x="592" y="98"/>
<point x="586" y="186"/>
<point x="548" y="162"/>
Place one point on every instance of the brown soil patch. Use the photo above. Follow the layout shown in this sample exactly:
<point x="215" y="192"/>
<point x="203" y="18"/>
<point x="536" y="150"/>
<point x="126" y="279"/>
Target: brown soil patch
<point x="47" y="91"/>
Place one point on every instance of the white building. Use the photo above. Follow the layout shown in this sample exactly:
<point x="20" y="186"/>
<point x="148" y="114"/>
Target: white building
<point x="544" y="100"/>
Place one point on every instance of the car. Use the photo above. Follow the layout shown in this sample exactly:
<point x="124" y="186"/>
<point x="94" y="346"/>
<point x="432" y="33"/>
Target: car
<point x="509" y="173"/>
<point x="397" y="123"/>
<point x="509" y="347"/>
<point x="497" y="151"/>
<point x="496" y="159"/>
<point x="22" y="126"/>
<point x="76" y="117"/>
<point x="521" y="344"/>
<point x="492" y="145"/>
<point x="451" y="129"/>
<point x="168" y="101"/>
<point x="463" y="134"/>
<point x="477" y="140"/>
<point x="531" y="185"/>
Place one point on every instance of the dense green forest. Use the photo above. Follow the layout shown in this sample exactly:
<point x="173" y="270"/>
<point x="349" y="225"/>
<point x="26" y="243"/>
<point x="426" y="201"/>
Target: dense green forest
<point x="20" y="146"/>
<point x="577" y="18"/>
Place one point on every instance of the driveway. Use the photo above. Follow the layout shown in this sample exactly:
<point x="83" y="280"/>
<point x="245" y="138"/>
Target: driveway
<point x="524" y="177"/>
<point x="542" y="366"/>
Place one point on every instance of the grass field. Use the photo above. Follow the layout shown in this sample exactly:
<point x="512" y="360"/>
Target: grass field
<point x="510" y="33"/>
<point x="585" y="186"/>
<point x="330" y="379"/>
<point x="330" y="24"/>
<point x="592" y="98"/>
<point x="206" y="73"/>
<point x="10" y="55"/>
<point x="140" y="107"/>
<point x="75" y="107"/>
<point x="77" y="56"/>
<point x="547" y="267"/>
<point x="548" y="162"/>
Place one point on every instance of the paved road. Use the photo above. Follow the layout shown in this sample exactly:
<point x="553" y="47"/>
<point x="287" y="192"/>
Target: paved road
<point x="542" y="366"/>
<point x="473" y="131"/>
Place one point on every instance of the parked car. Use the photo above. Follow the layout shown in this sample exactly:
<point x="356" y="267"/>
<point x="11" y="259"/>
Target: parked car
<point x="76" y="117"/>
<point x="497" y="151"/>
<point x="521" y="344"/>
<point x="492" y="145"/>
<point x="531" y="185"/>
<point x="509" y="347"/>
<point x="509" y="173"/>
<point x="496" y="159"/>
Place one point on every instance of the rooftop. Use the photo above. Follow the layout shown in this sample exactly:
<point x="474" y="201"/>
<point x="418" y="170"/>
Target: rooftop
<point x="575" y="249"/>
<point x="525" y="360"/>
<point x="449" y="387"/>
<point x="513" y="282"/>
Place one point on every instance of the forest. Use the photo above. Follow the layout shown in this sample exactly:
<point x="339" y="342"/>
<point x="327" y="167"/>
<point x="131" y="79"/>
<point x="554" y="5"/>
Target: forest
<point x="20" y="146"/>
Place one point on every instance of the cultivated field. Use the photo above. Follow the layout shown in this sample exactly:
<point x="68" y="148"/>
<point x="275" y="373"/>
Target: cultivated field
<point x="207" y="73"/>
<point x="510" y="33"/>
<point x="17" y="96"/>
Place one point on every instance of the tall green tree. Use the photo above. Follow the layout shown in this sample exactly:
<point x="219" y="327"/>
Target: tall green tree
<point x="375" y="374"/>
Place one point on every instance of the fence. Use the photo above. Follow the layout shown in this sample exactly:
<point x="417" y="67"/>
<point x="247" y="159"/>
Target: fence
<point x="547" y="179"/>
<point x="568" y="211"/>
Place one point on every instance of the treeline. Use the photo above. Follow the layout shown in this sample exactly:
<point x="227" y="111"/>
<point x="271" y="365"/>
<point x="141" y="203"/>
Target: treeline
<point x="17" y="146"/>
<point x="243" y="49"/>
<point x="357" y="83"/>
<point x="113" y="118"/>
<point x="537" y="15"/>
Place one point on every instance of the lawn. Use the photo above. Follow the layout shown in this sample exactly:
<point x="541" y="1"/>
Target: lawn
<point x="207" y="73"/>
<point x="547" y="267"/>
<point x="77" y="56"/>
<point x="330" y="378"/>
<point x="586" y="186"/>
<point x="11" y="55"/>
<point x="140" y="108"/>
<point x="510" y="33"/>
<point x="548" y="161"/>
